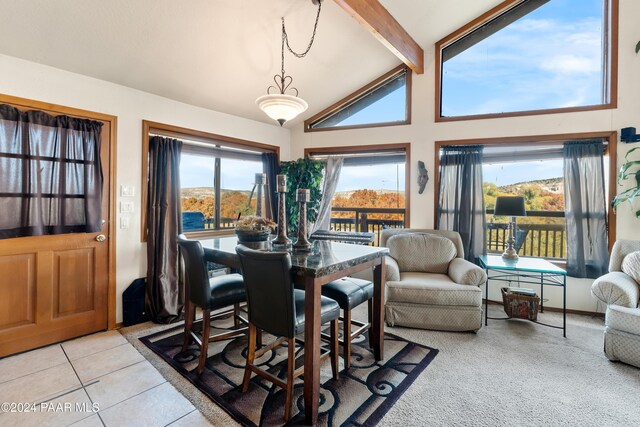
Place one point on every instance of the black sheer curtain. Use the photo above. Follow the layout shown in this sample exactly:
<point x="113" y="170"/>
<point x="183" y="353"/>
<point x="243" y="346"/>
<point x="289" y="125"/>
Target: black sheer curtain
<point x="271" y="168"/>
<point x="164" y="291"/>
<point x="585" y="209"/>
<point x="51" y="174"/>
<point x="460" y="197"/>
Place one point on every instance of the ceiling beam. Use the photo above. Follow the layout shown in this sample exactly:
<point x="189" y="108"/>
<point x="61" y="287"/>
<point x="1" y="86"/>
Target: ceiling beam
<point x="374" y="17"/>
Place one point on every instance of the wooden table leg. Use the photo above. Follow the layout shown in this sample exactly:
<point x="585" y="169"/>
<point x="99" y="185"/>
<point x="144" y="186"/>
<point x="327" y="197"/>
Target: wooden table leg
<point x="377" y="323"/>
<point x="311" y="350"/>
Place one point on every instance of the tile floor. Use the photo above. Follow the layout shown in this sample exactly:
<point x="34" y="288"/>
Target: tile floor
<point x="97" y="380"/>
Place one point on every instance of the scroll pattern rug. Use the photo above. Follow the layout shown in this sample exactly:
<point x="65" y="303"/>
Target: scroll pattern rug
<point x="361" y="396"/>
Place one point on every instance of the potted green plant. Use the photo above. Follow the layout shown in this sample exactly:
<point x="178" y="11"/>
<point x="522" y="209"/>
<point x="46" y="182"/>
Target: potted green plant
<point x="302" y="173"/>
<point x="629" y="170"/>
<point x="253" y="228"/>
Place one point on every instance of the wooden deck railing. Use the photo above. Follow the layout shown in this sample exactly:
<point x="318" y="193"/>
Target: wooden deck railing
<point x="361" y="220"/>
<point x="535" y="239"/>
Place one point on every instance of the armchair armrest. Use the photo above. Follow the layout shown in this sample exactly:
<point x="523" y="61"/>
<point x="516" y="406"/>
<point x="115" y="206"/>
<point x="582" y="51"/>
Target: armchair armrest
<point x="466" y="273"/>
<point x="616" y="288"/>
<point x="392" y="270"/>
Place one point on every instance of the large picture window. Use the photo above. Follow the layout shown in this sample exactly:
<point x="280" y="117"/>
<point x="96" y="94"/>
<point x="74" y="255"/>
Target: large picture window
<point x="372" y="192"/>
<point x="532" y="167"/>
<point x="529" y="57"/>
<point x="217" y="177"/>
<point x="215" y="189"/>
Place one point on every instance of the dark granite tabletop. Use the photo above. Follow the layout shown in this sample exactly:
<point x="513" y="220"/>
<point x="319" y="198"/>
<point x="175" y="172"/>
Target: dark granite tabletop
<point x="326" y="257"/>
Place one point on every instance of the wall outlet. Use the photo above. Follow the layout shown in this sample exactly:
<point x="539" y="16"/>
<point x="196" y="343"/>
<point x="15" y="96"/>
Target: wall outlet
<point x="126" y="207"/>
<point x="124" y="222"/>
<point x="127" y="191"/>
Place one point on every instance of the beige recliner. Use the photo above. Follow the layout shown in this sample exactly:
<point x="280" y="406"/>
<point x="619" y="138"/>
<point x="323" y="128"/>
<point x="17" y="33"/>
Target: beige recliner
<point x="429" y="284"/>
<point x="621" y="294"/>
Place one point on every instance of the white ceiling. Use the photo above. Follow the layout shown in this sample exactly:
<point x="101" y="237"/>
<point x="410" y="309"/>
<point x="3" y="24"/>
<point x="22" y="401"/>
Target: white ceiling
<point x="218" y="54"/>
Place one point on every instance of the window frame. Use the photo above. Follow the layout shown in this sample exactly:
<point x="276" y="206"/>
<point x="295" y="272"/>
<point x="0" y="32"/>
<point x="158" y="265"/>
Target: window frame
<point x="149" y="127"/>
<point x="360" y="93"/>
<point x="376" y="148"/>
<point x="611" y="151"/>
<point x="610" y="71"/>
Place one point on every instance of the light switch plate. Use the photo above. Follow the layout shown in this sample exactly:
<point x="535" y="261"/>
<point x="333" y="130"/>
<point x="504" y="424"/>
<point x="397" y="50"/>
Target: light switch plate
<point x="124" y="222"/>
<point x="127" y="191"/>
<point x="126" y="207"/>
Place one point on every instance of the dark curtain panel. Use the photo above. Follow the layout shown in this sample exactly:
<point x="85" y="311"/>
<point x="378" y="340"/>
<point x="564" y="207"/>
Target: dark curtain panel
<point x="164" y="292"/>
<point x="461" y="200"/>
<point x="51" y="180"/>
<point x="271" y="168"/>
<point x="585" y="209"/>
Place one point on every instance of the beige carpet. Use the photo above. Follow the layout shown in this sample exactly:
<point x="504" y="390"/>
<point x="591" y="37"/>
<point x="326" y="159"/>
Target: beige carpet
<point x="511" y="373"/>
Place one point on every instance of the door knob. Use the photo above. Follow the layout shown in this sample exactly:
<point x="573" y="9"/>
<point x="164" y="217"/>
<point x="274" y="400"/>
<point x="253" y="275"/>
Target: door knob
<point x="100" y="238"/>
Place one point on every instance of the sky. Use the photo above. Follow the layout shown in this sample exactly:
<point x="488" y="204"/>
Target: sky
<point x="511" y="173"/>
<point x="550" y="58"/>
<point x="387" y="109"/>
<point x="198" y="171"/>
<point x="378" y="177"/>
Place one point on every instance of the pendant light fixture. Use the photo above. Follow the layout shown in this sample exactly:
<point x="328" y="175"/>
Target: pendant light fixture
<point x="281" y="106"/>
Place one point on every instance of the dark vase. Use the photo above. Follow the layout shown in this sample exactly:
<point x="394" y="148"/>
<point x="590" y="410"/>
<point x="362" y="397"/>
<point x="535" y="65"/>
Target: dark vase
<point x="253" y="235"/>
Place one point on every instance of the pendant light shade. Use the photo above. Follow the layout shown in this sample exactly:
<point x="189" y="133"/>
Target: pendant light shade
<point x="281" y="107"/>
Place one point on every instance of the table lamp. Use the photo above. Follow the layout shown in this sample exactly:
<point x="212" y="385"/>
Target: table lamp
<point x="511" y="206"/>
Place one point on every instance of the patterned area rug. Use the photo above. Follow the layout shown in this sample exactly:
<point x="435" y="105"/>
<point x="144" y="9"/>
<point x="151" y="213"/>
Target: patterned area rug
<point x="361" y="396"/>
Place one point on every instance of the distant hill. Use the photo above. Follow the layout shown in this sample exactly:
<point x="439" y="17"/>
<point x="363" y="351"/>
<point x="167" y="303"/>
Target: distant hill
<point x="202" y="192"/>
<point x="551" y="185"/>
<point x="347" y="194"/>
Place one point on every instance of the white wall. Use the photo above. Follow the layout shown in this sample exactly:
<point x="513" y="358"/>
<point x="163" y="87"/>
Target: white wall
<point x="424" y="131"/>
<point x="35" y="81"/>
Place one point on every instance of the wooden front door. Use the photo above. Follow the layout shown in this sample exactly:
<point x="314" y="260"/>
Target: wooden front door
<point x="53" y="288"/>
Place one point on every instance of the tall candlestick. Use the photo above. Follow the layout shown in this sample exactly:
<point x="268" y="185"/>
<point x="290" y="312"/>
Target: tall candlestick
<point x="260" y="180"/>
<point x="282" y="183"/>
<point x="302" y="197"/>
<point x="282" y="239"/>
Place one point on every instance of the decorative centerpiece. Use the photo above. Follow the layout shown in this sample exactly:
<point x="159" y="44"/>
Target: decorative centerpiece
<point x="253" y="228"/>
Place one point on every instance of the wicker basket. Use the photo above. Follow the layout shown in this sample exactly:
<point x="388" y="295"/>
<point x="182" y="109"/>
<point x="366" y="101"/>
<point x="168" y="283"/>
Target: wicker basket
<point x="520" y="306"/>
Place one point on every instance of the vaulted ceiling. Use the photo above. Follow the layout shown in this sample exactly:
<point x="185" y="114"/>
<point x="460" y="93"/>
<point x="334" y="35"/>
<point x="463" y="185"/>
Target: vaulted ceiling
<point x="218" y="54"/>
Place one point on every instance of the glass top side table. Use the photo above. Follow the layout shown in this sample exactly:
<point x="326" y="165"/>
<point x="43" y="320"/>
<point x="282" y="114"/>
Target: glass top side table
<point x="528" y="270"/>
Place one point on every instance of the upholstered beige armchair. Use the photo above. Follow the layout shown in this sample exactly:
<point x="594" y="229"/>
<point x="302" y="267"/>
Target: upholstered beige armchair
<point x="621" y="294"/>
<point x="429" y="284"/>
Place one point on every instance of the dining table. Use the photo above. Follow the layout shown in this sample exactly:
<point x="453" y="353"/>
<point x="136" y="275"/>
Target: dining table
<point x="325" y="262"/>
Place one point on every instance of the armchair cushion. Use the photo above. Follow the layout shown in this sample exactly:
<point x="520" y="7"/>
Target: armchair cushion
<point x="432" y="289"/>
<point x="422" y="252"/>
<point x="616" y="288"/>
<point x="466" y="273"/>
<point x="631" y="265"/>
<point x="623" y="319"/>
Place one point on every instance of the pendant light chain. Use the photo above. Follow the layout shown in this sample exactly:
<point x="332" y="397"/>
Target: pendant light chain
<point x="285" y="37"/>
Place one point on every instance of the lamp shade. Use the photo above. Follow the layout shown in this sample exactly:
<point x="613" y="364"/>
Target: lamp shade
<point x="510" y="206"/>
<point x="281" y="107"/>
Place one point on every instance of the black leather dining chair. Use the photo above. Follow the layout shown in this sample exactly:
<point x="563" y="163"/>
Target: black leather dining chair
<point x="350" y="292"/>
<point x="210" y="295"/>
<point x="277" y="308"/>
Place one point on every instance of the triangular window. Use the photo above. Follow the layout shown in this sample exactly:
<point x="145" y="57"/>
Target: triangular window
<point x="384" y="102"/>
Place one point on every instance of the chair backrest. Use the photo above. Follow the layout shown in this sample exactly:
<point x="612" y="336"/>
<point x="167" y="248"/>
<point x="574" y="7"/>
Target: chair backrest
<point x="451" y="235"/>
<point x="196" y="271"/>
<point x="622" y="248"/>
<point x="267" y="280"/>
